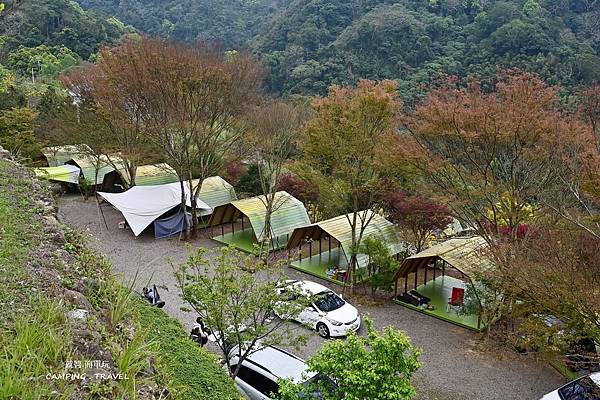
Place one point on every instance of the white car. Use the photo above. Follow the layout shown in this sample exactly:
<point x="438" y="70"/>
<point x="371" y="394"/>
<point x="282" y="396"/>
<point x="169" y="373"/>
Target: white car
<point x="328" y="313"/>
<point x="585" y="388"/>
<point x="258" y="375"/>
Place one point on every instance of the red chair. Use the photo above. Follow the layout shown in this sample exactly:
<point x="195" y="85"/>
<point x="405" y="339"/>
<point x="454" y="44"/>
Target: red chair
<point x="458" y="295"/>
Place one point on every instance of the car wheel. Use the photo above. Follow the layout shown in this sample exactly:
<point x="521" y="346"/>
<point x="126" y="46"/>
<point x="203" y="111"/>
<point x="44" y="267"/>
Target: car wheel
<point x="323" y="330"/>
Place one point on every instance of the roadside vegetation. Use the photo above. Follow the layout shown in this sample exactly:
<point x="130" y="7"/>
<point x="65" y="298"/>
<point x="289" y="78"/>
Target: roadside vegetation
<point x="62" y="308"/>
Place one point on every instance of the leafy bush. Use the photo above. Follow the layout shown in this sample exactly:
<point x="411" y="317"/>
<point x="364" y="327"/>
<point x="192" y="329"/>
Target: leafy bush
<point x="382" y="267"/>
<point x="376" y="367"/>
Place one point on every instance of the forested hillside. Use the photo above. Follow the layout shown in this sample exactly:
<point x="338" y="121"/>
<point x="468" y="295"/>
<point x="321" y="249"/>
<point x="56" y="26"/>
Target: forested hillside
<point x="231" y="23"/>
<point x="315" y="43"/>
<point x="39" y="40"/>
<point x="309" y="44"/>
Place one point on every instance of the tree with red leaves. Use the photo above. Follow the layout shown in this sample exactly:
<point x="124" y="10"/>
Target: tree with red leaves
<point x="419" y="216"/>
<point x="475" y="147"/>
<point x="303" y="191"/>
<point x="299" y="188"/>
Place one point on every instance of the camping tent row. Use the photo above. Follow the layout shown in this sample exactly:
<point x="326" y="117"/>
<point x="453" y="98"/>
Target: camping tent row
<point x="340" y="229"/>
<point x="160" y="204"/>
<point x="99" y="170"/>
<point x="59" y="155"/>
<point x="93" y="168"/>
<point x="464" y="254"/>
<point x="336" y="235"/>
<point x="145" y="175"/>
<point x="291" y="228"/>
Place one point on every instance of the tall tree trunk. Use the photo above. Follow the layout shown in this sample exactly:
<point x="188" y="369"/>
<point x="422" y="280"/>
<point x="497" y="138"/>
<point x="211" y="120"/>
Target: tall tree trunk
<point x="186" y="226"/>
<point x="266" y="239"/>
<point x="132" y="174"/>
<point x="353" y="259"/>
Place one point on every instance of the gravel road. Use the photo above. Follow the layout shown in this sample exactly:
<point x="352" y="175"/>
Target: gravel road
<point x="453" y="366"/>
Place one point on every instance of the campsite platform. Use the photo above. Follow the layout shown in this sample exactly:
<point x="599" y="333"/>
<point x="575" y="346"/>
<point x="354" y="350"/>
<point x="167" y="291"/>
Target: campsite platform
<point x="318" y="264"/>
<point x="245" y="241"/>
<point x="241" y="240"/>
<point x="439" y="290"/>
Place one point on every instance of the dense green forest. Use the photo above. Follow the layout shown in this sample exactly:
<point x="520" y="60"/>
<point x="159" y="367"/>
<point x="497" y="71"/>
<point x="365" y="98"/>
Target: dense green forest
<point x="231" y="23"/>
<point x="315" y="43"/>
<point x="309" y="44"/>
<point x="41" y="39"/>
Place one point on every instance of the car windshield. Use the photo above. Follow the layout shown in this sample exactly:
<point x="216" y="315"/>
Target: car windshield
<point x="581" y="389"/>
<point x="328" y="301"/>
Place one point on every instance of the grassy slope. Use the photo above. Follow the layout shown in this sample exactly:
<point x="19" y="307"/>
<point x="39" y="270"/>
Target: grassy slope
<point x="193" y="372"/>
<point x="35" y="334"/>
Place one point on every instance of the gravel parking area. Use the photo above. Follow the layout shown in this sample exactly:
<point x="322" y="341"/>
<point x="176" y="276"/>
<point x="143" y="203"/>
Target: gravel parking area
<point x="453" y="367"/>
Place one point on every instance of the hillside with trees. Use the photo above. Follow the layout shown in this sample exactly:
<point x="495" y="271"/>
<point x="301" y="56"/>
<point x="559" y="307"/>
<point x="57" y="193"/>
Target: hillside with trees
<point x="314" y="43"/>
<point x="309" y="44"/>
<point x="231" y="23"/>
<point x="39" y="40"/>
<point x="479" y="113"/>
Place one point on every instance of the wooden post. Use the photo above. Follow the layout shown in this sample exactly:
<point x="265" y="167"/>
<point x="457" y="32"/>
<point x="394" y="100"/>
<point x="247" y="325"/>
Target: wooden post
<point x="406" y="284"/>
<point x="320" y="244"/>
<point x="416" y="277"/>
<point x="232" y="227"/>
<point x="329" y="238"/>
<point x="426" y="267"/>
<point x="310" y="249"/>
<point x="443" y="267"/>
<point x="300" y="252"/>
<point x="222" y="230"/>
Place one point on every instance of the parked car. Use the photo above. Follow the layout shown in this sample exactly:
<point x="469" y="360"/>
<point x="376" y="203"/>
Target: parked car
<point x="328" y="313"/>
<point x="258" y="375"/>
<point x="585" y="388"/>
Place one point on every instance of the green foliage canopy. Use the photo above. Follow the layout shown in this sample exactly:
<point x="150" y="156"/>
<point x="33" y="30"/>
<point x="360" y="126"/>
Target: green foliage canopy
<point x="376" y="367"/>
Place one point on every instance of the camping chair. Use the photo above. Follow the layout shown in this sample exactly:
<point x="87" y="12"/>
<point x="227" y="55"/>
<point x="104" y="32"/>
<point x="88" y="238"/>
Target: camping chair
<point x="341" y="275"/>
<point x="457" y="298"/>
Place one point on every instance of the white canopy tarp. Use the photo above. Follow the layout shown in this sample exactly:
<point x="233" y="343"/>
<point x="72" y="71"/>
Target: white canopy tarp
<point x="141" y="205"/>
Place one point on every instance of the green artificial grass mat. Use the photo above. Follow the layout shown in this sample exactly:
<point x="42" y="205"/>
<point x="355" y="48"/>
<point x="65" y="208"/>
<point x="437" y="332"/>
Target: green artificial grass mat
<point x="318" y="264"/>
<point x="439" y="290"/>
<point x="246" y="241"/>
